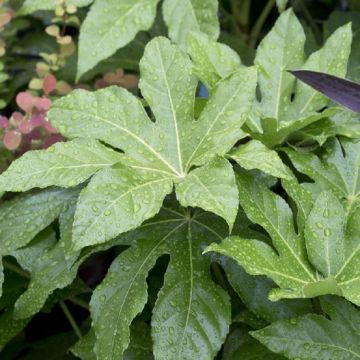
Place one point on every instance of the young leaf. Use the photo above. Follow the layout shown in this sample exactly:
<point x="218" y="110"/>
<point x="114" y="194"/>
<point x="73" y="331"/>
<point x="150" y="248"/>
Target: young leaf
<point x="216" y="193"/>
<point x="184" y="16"/>
<point x="342" y="91"/>
<point x="184" y="304"/>
<point x="315" y="336"/>
<point x="276" y="116"/>
<point x="63" y="164"/>
<point x="158" y="153"/>
<point x="111" y="25"/>
<point x="30" y="6"/>
<point x="255" y="155"/>
<point x="213" y="61"/>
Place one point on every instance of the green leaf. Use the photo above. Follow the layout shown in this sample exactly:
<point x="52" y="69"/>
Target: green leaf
<point x="121" y="296"/>
<point x="212" y="188"/>
<point x="289" y="267"/>
<point x="240" y="345"/>
<point x="84" y="348"/>
<point x="317" y="337"/>
<point x="50" y="272"/>
<point x="213" y="61"/>
<point x="9" y="327"/>
<point x="26" y="215"/>
<point x="253" y="291"/>
<point x="27" y="256"/>
<point x="157" y="154"/>
<point x="65" y="164"/>
<point x="185" y="16"/>
<point x="340" y="18"/>
<point x="30" y="6"/>
<point x="1" y="276"/>
<point x="117" y="200"/>
<point x="337" y="170"/>
<point x="255" y="155"/>
<point x="276" y="116"/>
<point x="325" y="232"/>
<point x="140" y="347"/>
<point x="110" y="26"/>
<point x="184" y="304"/>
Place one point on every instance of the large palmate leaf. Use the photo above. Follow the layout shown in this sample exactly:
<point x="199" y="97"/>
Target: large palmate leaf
<point x="157" y="154"/>
<point x="184" y="16"/>
<point x="317" y="337"/>
<point x="279" y="113"/>
<point x="63" y="164"/>
<point x="31" y="6"/>
<point x="327" y="229"/>
<point x="184" y="310"/>
<point x="110" y="25"/>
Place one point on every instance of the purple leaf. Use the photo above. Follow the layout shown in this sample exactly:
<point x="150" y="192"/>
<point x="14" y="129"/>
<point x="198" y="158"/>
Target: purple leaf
<point x="342" y="91"/>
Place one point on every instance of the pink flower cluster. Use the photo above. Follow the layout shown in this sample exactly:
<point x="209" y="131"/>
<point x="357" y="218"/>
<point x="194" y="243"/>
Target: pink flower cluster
<point x="31" y="129"/>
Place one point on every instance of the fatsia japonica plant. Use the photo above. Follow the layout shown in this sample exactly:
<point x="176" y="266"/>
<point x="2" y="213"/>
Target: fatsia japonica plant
<point x="200" y="202"/>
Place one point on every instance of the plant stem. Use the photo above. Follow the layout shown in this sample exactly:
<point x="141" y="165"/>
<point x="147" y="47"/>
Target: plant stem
<point x="79" y="302"/>
<point x="255" y="32"/>
<point x="70" y="319"/>
<point x="16" y="269"/>
<point x="241" y="13"/>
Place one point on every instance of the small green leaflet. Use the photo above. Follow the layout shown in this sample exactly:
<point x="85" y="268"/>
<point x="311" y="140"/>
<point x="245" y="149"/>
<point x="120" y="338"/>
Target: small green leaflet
<point x="184" y="16"/>
<point x="330" y="235"/>
<point x="157" y="154"/>
<point x="255" y="155"/>
<point x="186" y="301"/>
<point x="276" y="116"/>
<point x="65" y="164"/>
<point x="317" y="337"/>
<point x="213" y="61"/>
<point x="111" y="25"/>
<point x="30" y="6"/>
